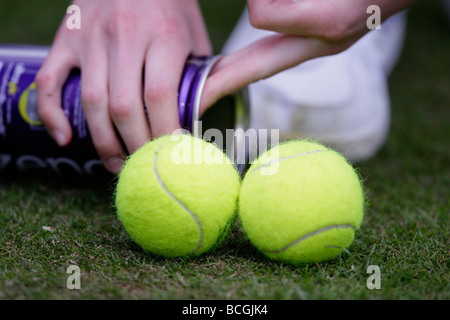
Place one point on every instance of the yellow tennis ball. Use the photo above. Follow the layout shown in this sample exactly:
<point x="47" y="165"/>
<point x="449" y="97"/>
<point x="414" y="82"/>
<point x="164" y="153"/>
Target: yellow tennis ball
<point x="301" y="202"/>
<point x="177" y="196"/>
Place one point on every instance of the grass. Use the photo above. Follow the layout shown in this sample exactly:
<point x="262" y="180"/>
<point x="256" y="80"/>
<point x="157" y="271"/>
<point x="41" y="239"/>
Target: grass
<point x="50" y="223"/>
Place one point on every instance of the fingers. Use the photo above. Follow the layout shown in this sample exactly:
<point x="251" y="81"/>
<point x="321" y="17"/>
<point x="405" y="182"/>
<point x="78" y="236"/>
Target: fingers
<point x="125" y="94"/>
<point x="49" y="81"/>
<point x="164" y="66"/>
<point x="111" y="53"/>
<point x="94" y="97"/>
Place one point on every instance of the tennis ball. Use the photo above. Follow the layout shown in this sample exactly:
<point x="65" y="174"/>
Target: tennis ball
<point x="301" y="202"/>
<point x="177" y="196"/>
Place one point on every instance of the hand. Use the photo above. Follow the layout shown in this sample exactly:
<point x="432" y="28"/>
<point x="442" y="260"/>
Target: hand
<point x="306" y="29"/>
<point x="117" y="42"/>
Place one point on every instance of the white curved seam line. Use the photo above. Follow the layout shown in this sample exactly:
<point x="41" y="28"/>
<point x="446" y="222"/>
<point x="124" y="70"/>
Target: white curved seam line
<point x="286" y="158"/>
<point x="327" y="228"/>
<point x="196" y="219"/>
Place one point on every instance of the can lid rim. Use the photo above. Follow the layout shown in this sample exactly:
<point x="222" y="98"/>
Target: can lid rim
<point x="198" y="95"/>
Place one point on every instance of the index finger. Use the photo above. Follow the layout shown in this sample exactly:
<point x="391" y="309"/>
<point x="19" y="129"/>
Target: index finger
<point x="331" y="20"/>
<point x="49" y="82"/>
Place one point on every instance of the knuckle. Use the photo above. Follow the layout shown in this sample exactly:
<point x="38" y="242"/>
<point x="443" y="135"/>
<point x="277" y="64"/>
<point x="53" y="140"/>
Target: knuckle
<point x="103" y="147"/>
<point x="258" y="15"/>
<point x="91" y="97"/>
<point x="122" y="107"/>
<point x="158" y="92"/>
<point x="120" y="21"/>
<point x="44" y="79"/>
<point x="336" y="31"/>
<point x="170" y="25"/>
<point x="257" y="20"/>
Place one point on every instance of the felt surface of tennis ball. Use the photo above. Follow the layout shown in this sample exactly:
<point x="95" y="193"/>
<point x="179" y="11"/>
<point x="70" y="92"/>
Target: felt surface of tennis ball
<point x="176" y="196"/>
<point x="301" y="202"/>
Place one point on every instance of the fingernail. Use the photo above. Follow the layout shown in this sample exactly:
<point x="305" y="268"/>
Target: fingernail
<point x="59" y="137"/>
<point x="115" y="164"/>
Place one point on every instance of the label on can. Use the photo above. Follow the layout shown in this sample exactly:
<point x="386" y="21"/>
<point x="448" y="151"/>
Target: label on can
<point x="25" y="143"/>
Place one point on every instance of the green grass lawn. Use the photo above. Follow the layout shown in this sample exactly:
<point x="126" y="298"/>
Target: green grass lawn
<point x="46" y="225"/>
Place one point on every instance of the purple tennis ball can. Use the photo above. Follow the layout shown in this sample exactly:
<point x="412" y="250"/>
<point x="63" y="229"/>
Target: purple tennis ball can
<point x="25" y="145"/>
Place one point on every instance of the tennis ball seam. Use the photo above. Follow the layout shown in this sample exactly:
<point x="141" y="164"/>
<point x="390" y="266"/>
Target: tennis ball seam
<point x="304" y="153"/>
<point x="192" y="214"/>
<point x="309" y="235"/>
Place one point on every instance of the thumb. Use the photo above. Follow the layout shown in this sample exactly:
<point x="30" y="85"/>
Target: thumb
<point x="261" y="60"/>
